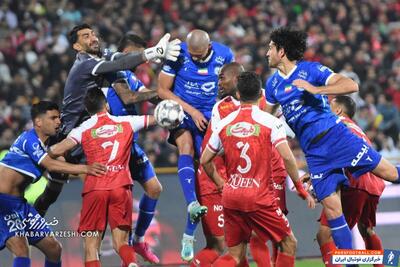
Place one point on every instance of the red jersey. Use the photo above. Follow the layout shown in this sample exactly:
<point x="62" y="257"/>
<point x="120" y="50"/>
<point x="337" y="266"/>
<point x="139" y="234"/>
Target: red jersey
<point x="220" y="110"/>
<point x="368" y="181"/>
<point x="108" y="139"/>
<point x="247" y="136"/>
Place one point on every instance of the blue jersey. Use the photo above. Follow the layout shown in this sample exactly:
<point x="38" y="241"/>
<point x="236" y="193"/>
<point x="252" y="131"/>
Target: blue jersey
<point x="118" y="108"/>
<point x="197" y="83"/>
<point x="25" y="155"/>
<point x="307" y="114"/>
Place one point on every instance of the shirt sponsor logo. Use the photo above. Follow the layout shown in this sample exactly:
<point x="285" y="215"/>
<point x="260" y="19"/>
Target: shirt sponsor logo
<point x="236" y="181"/>
<point x="303" y="74"/>
<point x="38" y="150"/>
<point x="360" y="154"/>
<point x="106" y="131"/>
<point x="243" y="129"/>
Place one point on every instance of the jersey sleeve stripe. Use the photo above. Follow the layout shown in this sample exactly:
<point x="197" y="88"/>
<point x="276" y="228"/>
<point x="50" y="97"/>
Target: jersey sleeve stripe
<point x="73" y="139"/>
<point x="329" y="77"/>
<point x="167" y="73"/>
<point x="96" y="67"/>
<point x="212" y="149"/>
<point x="270" y="103"/>
<point x="280" y="141"/>
<point x="42" y="158"/>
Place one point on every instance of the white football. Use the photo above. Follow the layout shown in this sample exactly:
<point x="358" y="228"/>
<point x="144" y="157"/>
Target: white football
<point x="169" y="114"/>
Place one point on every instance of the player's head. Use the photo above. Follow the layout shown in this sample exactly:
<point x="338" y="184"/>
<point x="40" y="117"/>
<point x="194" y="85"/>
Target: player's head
<point x="249" y="86"/>
<point x="131" y="42"/>
<point x="95" y="101"/>
<point x="46" y="117"/>
<point x="343" y="105"/>
<point x="227" y="79"/>
<point x="83" y="39"/>
<point x="199" y="45"/>
<point x="286" y="43"/>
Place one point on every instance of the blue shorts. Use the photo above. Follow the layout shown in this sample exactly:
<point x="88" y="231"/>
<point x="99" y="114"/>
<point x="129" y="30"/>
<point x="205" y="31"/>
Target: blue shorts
<point x="339" y="149"/>
<point x="140" y="166"/>
<point x="18" y="218"/>
<point x="197" y="135"/>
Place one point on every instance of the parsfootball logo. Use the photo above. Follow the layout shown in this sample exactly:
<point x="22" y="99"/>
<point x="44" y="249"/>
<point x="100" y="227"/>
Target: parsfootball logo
<point x="106" y="131"/>
<point x="243" y="129"/>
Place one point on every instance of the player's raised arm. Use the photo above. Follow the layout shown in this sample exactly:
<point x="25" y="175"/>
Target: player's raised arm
<point x="126" y="61"/>
<point x="337" y="84"/>
<point x="128" y="96"/>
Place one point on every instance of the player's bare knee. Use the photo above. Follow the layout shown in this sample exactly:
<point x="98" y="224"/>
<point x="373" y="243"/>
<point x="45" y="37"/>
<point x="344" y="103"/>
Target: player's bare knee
<point x="53" y="250"/>
<point x="18" y="246"/>
<point x="289" y="245"/>
<point x="323" y="235"/>
<point x="154" y="189"/>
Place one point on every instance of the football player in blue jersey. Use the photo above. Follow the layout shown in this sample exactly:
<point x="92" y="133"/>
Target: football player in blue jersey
<point x="192" y="82"/>
<point x="140" y="166"/>
<point x="300" y="87"/>
<point x="91" y="70"/>
<point x="24" y="164"/>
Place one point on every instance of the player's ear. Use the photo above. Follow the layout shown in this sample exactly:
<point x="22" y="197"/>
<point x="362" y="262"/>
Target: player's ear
<point x="77" y="47"/>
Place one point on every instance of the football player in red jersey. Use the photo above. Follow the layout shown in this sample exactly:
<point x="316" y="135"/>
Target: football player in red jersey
<point x="246" y="136"/>
<point x="359" y="200"/>
<point x="106" y="139"/>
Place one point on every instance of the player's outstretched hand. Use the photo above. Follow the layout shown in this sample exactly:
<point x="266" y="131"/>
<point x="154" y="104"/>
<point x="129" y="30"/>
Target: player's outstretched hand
<point x="158" y="51"/>
<point x="96" y="169"/>
<point x="173" y="50"/>
<point x="302" y="84"/>
<point x="310" y="201"/>
<point x="199" y="119"/>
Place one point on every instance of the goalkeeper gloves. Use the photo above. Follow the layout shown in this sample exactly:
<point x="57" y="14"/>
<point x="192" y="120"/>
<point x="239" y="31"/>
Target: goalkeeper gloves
<point x="164" y="49"/>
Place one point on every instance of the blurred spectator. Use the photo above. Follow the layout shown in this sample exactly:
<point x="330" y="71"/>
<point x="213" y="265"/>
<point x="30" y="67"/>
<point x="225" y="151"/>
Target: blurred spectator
<point x="358" y="39"/>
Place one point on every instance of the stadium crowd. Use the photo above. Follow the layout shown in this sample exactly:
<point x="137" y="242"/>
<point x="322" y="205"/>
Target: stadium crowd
<point x="358" y="39"/>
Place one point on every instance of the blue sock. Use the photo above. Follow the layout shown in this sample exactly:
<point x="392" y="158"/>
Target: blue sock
<point x="186" y="177"/>
<point x="48" y="263"/>
<point x="147" y="207"/>
<point x="22" y="262"/>
<point x="398" y="175"/>
<point x="190" y="227"/>
<point x="341" y="233"/>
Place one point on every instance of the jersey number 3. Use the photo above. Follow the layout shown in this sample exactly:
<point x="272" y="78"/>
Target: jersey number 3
<point x="244" y="147"/>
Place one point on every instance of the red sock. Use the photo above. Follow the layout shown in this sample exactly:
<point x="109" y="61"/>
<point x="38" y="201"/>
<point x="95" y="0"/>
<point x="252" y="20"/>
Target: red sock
<point x="326" y="252"/>
<point x="225" y="261"/>
<point x="92" y="264"/>
<point x="373" y="242"/>
<point x="284" y="260"/>
<point x="204" y="257"/>
<point x="127" y="254"/>
<point x="260" y="252"/>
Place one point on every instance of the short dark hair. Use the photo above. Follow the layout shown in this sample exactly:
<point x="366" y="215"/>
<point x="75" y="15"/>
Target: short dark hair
<point x="41" y="108"/>
<point x="131" y="39"/>
<point x="347" y="103"/>
<point x="294" y="42"/>
<point x="73" y="34"/>
<point x="249" y="86"/>
<point x="94" y="100"/>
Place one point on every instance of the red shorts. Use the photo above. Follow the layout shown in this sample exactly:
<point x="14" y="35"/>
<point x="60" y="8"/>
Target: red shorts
<point x="213" y="221"/>
<point x="280" y="194"/>
<point x="268" y="222"/>
<point x="358" y="206"/>
<point x="114" y="206"/>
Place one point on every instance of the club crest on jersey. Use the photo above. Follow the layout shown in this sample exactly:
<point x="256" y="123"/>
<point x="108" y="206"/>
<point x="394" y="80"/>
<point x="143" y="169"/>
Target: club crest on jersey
<point x="106" y="131"/>
<point x="243" y="129"/>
